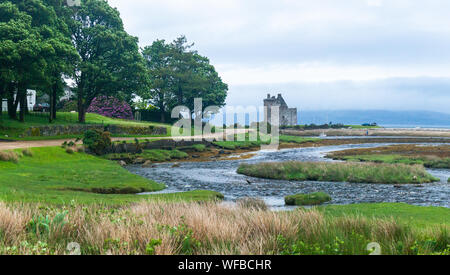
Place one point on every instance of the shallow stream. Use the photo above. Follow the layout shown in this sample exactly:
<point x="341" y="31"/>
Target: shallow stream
<point x="221" y="176"/>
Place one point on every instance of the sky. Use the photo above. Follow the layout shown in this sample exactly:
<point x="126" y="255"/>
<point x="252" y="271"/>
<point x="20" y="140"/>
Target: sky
<point x="321" y="54"/>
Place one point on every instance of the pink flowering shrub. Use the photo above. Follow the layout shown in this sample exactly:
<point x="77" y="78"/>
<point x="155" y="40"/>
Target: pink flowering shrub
<point x="110" y="107"/>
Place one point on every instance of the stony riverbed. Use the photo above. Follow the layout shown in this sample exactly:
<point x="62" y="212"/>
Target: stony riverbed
<point x="221" y="176"/>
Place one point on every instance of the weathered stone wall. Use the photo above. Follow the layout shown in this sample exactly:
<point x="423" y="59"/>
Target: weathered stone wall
<point x="55" y="130"/>
<point x="287" y="116"/>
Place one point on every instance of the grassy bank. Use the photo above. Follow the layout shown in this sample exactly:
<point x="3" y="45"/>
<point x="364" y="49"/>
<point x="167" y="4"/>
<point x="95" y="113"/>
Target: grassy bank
<point x="51" y="175"/>
<point x="339" y="172"/>
<point x="192" y="228"/>
<point x="428" y="156"/>
<point x="308" y="199"/>
<point x="414" y="216"/>
<point x="13" y="129"/>
<point x="243" y="141"/>
<point x="155" y="155"/>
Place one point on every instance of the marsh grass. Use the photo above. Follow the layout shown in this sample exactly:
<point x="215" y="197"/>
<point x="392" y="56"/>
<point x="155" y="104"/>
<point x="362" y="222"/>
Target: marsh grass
<point x="437" y="157"/>
<point x="207" y="228"/>
<point x="252" y="203"/>
<point x="155" y="155"/>
<point x="308" y="199"/>
<point x="339" y="172"/>
<point x="9" y="156"/>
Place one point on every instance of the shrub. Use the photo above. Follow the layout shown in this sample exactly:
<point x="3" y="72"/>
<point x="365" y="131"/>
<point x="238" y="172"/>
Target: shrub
<point x="67" y="106"/>
<point x="27" y="152"/>
<point x="252" y="203"/>
<point x="110" y="107"/>
<point x="307" y="199"/>
<point x="9" y="156"/>
<point x="70" y="150"/>
<point x="41" y="225"/>
<point x="199" y="147"/>
<point x="35" y="132"/>
<point x="97" y="141"/>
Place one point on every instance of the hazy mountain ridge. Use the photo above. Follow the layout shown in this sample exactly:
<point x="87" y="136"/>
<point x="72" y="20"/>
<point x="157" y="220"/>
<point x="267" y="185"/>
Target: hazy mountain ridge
<point x="382" y="117"/>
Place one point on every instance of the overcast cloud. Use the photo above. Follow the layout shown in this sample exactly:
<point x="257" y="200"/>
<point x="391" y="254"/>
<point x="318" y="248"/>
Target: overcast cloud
<point x="322" y="54"/>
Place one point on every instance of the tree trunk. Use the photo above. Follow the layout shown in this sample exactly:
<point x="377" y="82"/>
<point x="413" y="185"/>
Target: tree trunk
<point x="55" y="100"/>
<point x="22" y="98"/>
<point x="54" y="97"/>
<point x="12" y="108"/>
<point x="163" y="113"/>
<point x="2" y="95"/>
<point x="180" y="96"/>
<point x="81" y="110"/>
<point x="50" y="115"/>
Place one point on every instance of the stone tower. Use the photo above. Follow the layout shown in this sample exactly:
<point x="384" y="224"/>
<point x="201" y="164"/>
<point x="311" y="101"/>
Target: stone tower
<point x="288" y="116"/>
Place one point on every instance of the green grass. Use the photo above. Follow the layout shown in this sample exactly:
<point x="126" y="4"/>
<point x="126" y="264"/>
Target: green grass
<point x="418" y="217"/>
<point x="14" y="129"/>
<point x="199" y="147"/>
<point x="53" y="176"/>
<point x="362" y="127"/>
<point x="437" y="163"/>
<point x="308" y="199"/>
<point x="242" y="141"/>
<point x="233" y="145"/>
<point x="297" y="139"/>
<point x="339" y="172"/>
<point x="156" y="155"/>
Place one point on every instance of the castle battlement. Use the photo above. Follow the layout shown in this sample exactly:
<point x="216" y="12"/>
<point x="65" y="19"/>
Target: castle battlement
<point x="288" y="116"/>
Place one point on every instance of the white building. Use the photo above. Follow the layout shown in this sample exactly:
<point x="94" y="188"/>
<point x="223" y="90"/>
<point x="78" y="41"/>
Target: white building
<point x="31" y="101"/>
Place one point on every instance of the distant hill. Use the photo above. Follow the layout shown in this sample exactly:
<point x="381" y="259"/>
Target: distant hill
<point x="383" y="118"/>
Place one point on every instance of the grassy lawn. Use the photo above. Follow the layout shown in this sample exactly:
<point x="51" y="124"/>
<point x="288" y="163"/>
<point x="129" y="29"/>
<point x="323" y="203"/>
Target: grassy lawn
<point x="53" y="176"/>
<point x="339" y="172"/>
<point x="13" y="128"/>
<point x="415" y="216"/>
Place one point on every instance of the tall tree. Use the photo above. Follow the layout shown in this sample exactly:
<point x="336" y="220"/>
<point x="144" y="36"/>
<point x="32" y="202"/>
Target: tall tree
<point x="61" y="64"/>
<point x="20" y="52"/>
<point x="158" y="58"/>
<point x="110" y="60"/>
<point x="33" y="49"/>
<point x="179" y="74"/>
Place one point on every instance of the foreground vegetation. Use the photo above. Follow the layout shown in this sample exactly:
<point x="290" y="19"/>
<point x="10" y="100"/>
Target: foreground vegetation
<point x="191" y="228"/>
<point x="51" y="175"/>
<point x="339" y="172"/>
<point x="415" y="216"/>
<point x="428" y="156"/>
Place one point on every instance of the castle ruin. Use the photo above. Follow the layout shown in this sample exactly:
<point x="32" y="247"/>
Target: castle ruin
<point x="288" y="116"/>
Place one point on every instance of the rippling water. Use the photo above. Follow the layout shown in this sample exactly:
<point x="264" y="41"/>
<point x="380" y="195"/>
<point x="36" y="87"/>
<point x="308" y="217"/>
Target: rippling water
<point x="221" y="176"/>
